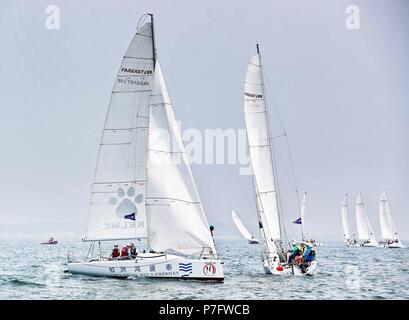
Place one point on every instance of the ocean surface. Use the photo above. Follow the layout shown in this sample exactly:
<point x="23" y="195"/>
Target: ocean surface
<point x="31" y="271"/>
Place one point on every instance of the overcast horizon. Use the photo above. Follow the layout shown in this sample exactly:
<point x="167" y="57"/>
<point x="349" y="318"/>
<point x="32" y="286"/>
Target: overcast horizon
<point x="342" y="96"/>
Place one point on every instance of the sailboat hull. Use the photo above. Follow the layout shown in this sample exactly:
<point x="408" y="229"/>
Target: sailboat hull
<point x="273" y="266"/>
<point x="370" y="245"/>
<point x="152" y="266"/>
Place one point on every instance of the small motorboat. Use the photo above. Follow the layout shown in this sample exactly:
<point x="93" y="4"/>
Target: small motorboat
<point x="50" y="241"/>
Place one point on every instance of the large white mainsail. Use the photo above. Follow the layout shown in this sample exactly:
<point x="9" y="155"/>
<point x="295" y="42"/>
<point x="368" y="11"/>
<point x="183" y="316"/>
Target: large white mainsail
<point x="241" y="227"/>
<point x="118" y="193"/>
<point x="364" y="228"/>
<point x="175" y="215"/>
<point x="344" y="218"/>
<point x="259" y="140"/>
<point x="388" y="229"/>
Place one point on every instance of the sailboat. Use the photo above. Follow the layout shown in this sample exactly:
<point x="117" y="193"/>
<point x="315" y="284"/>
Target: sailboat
<point x="365" y="233"/>
<point x="305" y="235"/>
<point x="264" y="176"/>
<point x="345" y="224"/>
<point x="143" y="186"/>
<point x="242" y="229"/>
<point x="390" y="238"/>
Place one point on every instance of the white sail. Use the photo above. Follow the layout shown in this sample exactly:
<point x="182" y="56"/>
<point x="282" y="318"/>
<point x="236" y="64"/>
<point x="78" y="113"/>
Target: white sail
<point x="176" y="218"/>
<point x="303" y="207"/>
<point x="388" y="229"/>
<point x="241" y="227"/>
<point x="259" y="141"/>
<point x="120" y="180"/>
<point x="344" y="217"/>
<point x="364" y="228"/>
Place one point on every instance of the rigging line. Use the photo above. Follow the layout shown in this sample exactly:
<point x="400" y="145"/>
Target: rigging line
<point x="275" y="107"/>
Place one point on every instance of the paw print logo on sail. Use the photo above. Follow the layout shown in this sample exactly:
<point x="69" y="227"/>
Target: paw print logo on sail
<point x="185" y="269"/>
<point x="125" y="203"/>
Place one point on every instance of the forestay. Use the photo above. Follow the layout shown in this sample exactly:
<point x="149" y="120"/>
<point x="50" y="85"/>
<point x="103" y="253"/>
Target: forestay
<point x="175" y="215"/>
<point x="118" y="193"/>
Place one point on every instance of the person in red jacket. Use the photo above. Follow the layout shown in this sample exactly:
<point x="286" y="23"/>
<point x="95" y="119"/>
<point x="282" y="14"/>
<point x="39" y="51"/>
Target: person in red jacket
<point x="124" y="252"/>
<point x="115" y="252"/>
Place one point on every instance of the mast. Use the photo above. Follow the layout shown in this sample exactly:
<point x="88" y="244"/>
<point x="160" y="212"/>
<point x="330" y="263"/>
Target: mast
<point x="271" y="146"/>
<point x="153" y="41"/>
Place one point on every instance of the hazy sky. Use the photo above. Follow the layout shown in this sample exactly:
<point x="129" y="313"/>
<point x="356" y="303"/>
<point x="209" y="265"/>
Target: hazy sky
<point x="342" y="94"/>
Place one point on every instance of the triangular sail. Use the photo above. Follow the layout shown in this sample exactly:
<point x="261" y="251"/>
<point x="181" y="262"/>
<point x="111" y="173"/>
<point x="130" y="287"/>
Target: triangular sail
<point x="118" y="192"/>
<point x="241" y="227"/>
<point x="388" y="229"/>
<point x="259" y="141"/>
<point x="175" y="215"/>
<point x="364" y="228"/>
<point x="344" y="218"/>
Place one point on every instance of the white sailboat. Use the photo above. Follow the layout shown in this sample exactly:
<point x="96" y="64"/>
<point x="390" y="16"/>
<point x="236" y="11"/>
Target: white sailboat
<point x="345" y="224"/>
<point x="242" y="229"/>
<point x="305" y="235"/>
<point x="264" y="177"/>
<point x="365" y="233"/>
<point x="143" y="186"/>
<point x="390" y="238"/>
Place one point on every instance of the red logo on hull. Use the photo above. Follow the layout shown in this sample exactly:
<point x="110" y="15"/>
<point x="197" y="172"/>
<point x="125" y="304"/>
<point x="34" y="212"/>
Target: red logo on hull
<point x="209" y="269"/>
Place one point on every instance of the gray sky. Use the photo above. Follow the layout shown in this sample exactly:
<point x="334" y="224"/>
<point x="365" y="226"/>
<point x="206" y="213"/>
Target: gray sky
<point x="342" y="94"/>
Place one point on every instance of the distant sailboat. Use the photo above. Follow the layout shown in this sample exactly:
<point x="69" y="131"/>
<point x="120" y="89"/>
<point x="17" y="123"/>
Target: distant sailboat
<point x="264" y="177"/>
<point x="390" y="236"/>
<point x="365" y="232"/>
<point x="305" y="235"/>
<point x="242" y="229"/>
<point x="143" y="186"/>
<point x="345" y="223"/>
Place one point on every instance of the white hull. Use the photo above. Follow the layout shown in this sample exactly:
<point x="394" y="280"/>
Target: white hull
<point x="152" y="265"/>
<point x="370" y="244"/>
<point x="273" y="266"/>
<point x="392" y="245"/>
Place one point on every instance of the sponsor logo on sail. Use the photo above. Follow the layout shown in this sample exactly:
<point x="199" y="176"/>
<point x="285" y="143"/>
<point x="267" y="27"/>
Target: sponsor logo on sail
<point x="209" y="269"/>
<point x="136" y="71"/>
<point x="253" y="95"/>
<point x="185" y="269"/>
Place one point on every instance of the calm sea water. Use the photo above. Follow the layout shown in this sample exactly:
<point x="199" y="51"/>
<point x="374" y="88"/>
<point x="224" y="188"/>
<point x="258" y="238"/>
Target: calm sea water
<point x="31" y="271"/>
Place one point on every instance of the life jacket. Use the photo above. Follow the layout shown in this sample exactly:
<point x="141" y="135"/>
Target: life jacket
<point x="124" y="252"/>
<point x="115" y="253"/>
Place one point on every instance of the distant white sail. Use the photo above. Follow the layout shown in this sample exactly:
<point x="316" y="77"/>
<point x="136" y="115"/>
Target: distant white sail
<point x="303" y="207"/>
<point x="119" y="186"/>
<point x="344" y="217"/>
<point x="259" y="141"/>
<point x="388" y="229"/>
<point x="364" y="228"/>
<point x="241" y="227"/>
<point x="175" y="215"/>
